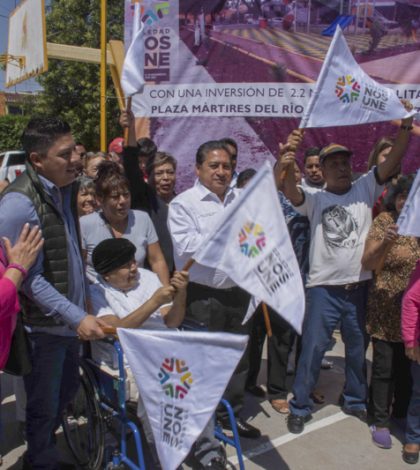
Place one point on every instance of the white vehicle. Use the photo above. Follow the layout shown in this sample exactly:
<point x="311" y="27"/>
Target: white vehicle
<point x="12" y="164"/>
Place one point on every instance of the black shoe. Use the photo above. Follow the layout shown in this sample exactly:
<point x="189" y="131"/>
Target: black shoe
<point x="295" y="423"/>
<point x="244" y="429"/>
<point x="256" y="390"/>
<point x="410" y="457"/>
<point x="359" y="414"/>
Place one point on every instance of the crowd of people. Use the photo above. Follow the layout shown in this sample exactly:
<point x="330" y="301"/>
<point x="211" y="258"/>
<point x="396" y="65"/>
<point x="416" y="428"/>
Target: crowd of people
<point x="93" y="240"/>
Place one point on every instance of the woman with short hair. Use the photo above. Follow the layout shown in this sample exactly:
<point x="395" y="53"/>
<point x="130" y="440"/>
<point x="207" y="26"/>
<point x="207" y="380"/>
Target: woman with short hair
<point x="86" y="196"/>
<point x="162" y="175"/>
<point x="393" y="257"/>
<point x="116" y="220"/>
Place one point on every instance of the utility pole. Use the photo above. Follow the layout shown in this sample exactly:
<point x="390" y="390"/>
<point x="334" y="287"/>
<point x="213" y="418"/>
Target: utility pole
<point x="103" y="77"/>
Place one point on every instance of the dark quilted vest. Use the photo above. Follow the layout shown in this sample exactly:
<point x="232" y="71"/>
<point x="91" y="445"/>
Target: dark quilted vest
<point x="55" y="244"/>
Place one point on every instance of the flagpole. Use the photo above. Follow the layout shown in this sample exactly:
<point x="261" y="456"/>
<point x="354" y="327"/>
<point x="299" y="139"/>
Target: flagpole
<point x="267" y="320"/>
<point x="127" y="129"/>
<point x="103" y="78"/>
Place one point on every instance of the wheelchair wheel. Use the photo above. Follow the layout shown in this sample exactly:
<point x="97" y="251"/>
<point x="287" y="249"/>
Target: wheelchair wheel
<point x="83" y="423"/>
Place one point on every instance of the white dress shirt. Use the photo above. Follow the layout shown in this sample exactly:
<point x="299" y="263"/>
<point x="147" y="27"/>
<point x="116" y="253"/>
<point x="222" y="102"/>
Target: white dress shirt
<point x="192" y="215"/>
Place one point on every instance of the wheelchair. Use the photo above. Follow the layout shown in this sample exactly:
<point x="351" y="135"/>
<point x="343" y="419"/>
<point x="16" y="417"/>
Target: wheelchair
<point x="100" y="423"/>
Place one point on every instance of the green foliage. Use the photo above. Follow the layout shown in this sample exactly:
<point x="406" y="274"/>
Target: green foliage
<point x="11" y="128"/>
<point x="71" y="89"/>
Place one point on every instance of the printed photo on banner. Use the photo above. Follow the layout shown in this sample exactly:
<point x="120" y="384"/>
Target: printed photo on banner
<point x="248" y="70"/>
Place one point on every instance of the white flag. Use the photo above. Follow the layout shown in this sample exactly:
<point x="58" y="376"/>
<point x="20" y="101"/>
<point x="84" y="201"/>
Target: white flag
<point x="345" y="95"/>
<point x="251" y="244"/>
<point x="409" y="220"/>
<point x="132" y="76"/>
<point x="181" y="377"/>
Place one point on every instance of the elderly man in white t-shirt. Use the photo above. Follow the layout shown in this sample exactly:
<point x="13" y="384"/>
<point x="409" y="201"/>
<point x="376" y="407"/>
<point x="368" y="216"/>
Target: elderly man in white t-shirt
<point x="340" y="216"/>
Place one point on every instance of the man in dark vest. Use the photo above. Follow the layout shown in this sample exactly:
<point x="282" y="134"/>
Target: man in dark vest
<point x="54" y="291"/>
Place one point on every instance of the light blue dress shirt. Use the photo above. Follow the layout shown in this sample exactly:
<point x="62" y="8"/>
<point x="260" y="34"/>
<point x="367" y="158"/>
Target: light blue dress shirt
<point x="15" y="210"/>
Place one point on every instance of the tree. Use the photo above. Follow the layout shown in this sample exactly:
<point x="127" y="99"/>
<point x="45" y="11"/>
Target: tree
<point x="11" y="128"/>
<point x="71" y="89"/>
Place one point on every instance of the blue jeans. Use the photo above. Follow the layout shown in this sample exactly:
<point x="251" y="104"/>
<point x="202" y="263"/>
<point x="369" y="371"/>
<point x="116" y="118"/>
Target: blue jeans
<point x="412" y="433"/>
<point x="326" y="306"/>
<point x="50" y="386"/>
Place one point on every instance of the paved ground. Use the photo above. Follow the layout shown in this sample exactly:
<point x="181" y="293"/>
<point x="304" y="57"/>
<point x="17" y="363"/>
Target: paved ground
<point x="331" y="441"/>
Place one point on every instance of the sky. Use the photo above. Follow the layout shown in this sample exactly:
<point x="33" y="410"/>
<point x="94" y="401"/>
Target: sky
<point x="6" y="7"/>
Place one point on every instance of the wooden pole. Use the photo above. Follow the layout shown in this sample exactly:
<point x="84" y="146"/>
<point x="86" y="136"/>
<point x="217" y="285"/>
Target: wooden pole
<point x="103" y="78"/>
<point x="188" y="265"/>
<point x="127" y="130"/>
<point x="267" y="320"/>
<point x="109" y="330"/>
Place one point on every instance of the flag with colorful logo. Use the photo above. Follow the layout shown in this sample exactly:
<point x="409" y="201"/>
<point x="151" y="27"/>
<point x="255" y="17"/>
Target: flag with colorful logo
<point x="345" y="95"/>
<point x="132" y="76"/>
<point x="409" y="220"/>
<point x="251" y="244"/>
<point x="181" y="377"/>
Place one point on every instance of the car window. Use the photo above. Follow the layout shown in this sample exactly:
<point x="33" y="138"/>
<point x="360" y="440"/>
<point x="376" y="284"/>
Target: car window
<point x="17" y="159"/>
<point x="1" y="158"/>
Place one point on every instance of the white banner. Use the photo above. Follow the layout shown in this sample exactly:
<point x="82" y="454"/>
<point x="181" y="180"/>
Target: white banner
<point x="409" y="220"/>
<point x="251" y="244"/>
<point x="345" y="95"/>
<point x="132" y="76"/>
<point x="181" y="377"/>
<point x="160" y="35"/>
<point x="286" y="100"/>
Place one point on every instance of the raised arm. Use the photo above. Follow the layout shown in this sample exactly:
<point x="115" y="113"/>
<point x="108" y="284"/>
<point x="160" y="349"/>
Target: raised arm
<point x="284" y="168"/>
<point x="135" y="319"/>
<point x="390" y="166"/>
<point x="174" y="317"/>
<point x="139" y="190"/>
<point x="376" y="250"/>
<point x="286" y="181"/>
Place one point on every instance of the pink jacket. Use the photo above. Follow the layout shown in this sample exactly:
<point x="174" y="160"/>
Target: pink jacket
<point x="410" y="314"/>
<point x="9" y="306"/>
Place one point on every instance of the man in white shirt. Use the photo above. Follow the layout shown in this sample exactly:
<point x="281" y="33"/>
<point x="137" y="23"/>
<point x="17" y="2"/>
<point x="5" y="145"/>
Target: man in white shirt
<point x="213" y="299"/>
<point x="340" y="216"/>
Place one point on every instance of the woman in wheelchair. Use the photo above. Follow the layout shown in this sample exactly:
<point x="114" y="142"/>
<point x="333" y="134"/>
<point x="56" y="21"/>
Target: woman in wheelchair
<point x="130" y="297"/>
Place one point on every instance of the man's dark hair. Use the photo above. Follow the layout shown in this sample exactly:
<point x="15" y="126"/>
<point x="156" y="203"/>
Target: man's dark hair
<point x="207" y="147"/>
<point x="146" y="147"/>
<point x="41" y="133"/>
<point x="311" y="152"/>
<point x="244" y="177"/>
<point x="232" y="143"/>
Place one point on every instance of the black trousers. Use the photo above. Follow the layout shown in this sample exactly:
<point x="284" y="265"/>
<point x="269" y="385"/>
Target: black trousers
<point x="278" y="353"/>
<point x="223" y="310"/>
<point x="390" y="383"/>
